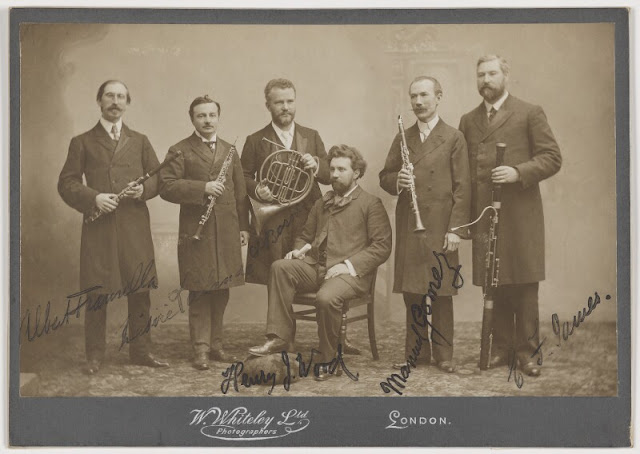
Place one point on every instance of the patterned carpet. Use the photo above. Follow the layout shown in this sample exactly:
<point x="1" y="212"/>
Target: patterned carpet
<point x="584" y="365"/>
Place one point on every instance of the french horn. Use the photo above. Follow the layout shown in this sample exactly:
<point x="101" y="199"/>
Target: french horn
<point x="284" y="174"/>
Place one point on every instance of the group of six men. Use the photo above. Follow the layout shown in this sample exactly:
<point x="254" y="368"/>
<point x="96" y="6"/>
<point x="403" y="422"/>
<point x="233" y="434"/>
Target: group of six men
<point x="331" y="244"/>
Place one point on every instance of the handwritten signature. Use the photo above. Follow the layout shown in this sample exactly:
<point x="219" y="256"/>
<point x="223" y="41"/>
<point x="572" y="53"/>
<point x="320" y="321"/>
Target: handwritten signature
<point x="44" y="323"/>
<point x="562" y="331"/>
<point x="234" y="375"/>
<point x="270" y="236"/>
<point x="419" y="313"/>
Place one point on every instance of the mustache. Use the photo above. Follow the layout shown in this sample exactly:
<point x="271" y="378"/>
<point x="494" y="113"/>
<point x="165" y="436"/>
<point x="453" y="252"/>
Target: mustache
<point x="115" y="107"/>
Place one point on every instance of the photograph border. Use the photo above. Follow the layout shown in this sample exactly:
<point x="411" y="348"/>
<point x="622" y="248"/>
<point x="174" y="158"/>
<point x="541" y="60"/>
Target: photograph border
<point x="334" y="421"/>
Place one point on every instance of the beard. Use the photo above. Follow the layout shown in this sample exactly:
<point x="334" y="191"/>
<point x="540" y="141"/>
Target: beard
<point x="284" y="119"/>
<point x="492" y="94"/>
<point x="339" y="188"/>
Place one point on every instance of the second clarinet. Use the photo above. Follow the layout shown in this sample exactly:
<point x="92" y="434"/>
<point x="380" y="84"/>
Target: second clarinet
<point x="407" y="165"/>
<point x="222" y="177"/>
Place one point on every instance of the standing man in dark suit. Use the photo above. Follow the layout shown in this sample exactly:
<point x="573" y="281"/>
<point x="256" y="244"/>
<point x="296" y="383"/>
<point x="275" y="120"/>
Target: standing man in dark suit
<point x="116" y="251"/>
<point x="280" y="95"/>
<point x="440" y="162"/>
<point x="210" y="266"/>
<point x="347" y="236"/>
<point x="532" y="155"/>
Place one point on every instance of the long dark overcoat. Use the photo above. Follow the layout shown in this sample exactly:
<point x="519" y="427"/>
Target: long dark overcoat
<point x="441" y="168"/>
<point x="280" y="231"/>
<point x="116" y="250"/>
<point x="215" y="261"/>
<point x="533" y="151"/>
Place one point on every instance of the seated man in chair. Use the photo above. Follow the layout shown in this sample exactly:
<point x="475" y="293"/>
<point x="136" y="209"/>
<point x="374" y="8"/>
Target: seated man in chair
<point x="346" y="237"/>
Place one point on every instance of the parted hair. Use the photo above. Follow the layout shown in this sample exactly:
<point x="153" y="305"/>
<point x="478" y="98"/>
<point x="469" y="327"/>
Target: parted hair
<point x="202" y="100"/>
<point x="437" y="88"/>
<point x="112" y="81"/>
<point x="345" y="151"/>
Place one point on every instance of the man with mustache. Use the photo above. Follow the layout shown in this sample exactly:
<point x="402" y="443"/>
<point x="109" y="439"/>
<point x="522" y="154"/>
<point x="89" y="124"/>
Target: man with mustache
<point x="116" y="249"/>
<point x="532" y="155"/>
<point x="438" y="155"/>
<point x="210" y="266"/>
<point x="346" y="237"/>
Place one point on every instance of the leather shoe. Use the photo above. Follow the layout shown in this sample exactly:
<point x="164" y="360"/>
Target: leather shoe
<point x="532" y="369"/>
<point x="447" y="366"/>
<point x="93" y="366"/>
<point x="148" y="360"/>
<point x="348" y="348"/>
<point x="200" y="361"/>
<point x="222" y="356"/>
<point x="323" y="375"/>
<point x="273" y="345"/>
<point x="499" y="359"/>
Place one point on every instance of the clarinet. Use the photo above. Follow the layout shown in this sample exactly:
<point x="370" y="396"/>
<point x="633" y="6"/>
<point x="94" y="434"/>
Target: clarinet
<point x="406" y="164"/>
<point x="222" y="177"/>
<point x="122" y="194"/>
<point x="492" y="266"/>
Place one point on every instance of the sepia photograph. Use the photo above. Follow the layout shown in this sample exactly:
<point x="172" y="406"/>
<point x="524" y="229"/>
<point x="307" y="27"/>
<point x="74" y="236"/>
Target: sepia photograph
<point x="273" y="210"/>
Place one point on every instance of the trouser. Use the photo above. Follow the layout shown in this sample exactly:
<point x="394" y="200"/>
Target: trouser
<point x="290" y="276"/>
<point x="515" y="321"/>
<point x="137" y="328"/>
<point x="441" y="337"/>
<point x="206" y="311"/>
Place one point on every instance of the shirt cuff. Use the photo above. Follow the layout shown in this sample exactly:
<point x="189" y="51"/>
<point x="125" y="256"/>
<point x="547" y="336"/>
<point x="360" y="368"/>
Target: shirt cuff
<point x="352" y="270"/>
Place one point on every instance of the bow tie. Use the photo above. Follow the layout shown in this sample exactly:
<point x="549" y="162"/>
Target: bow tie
<point x="331" y="199"/>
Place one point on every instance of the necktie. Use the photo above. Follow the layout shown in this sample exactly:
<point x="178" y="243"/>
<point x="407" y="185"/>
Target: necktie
<point x="116" y="134"/>
<point x="286" y="138"/>
<point x="492" y="113"/>
<point x="212" y="146"/>
<point x="424" y="134"/>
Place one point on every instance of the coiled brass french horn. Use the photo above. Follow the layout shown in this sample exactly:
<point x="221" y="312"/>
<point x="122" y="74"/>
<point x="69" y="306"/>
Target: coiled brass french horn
<point x="284" y="174"/>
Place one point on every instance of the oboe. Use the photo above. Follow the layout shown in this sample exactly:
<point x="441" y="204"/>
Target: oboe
<point x="492" y="266"/>
<point x="222" y="177"/>
<point x="123" y="194"/>
<point x="406" y="164"/>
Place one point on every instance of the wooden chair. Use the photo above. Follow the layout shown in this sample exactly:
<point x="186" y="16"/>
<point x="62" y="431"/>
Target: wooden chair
<point x="309" y="299"/>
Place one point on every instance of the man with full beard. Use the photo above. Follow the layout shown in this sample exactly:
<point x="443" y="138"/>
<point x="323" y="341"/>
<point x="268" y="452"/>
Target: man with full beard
<point x="346" y="237"/>
<point x="532" y="155"/>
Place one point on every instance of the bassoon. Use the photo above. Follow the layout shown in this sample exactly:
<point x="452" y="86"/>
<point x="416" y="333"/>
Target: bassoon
<point x="492" y="266"/>
<point x="123" y="194"/>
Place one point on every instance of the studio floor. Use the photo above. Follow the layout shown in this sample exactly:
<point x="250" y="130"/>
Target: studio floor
<point x="583" y="365"/>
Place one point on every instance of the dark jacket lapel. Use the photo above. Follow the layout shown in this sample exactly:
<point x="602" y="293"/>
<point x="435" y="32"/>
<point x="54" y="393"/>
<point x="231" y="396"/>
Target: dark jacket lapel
<point x="434" y="140"/>
<point x="270" y="134"/>
<point x="123" y="143"/>
<point x="200" y="149"/>
<point x="103" y="138"/>
<point x="480" y="117"/>
<point x="300" y="141"/>
<point x="500" y="118"/>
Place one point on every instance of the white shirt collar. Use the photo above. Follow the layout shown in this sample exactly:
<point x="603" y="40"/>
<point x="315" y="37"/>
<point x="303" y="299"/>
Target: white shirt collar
<point x="348" y="193"/>
<point x="429" y="125"/>
<point x="107" y="125"/>
<point x="213" y="139"/>
<point x="496" y="105"/>
<point x="281" y="132"/>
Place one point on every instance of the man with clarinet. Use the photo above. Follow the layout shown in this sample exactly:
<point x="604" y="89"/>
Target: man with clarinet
<point x="208" y="183"/>
<point x="116" y="252"/>
<point x="531" y="155"/>
<point x="428" y="169"/>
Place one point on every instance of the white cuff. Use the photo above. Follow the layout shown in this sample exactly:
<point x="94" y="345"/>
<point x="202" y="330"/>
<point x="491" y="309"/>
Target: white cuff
<point x="352" y="270"/>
